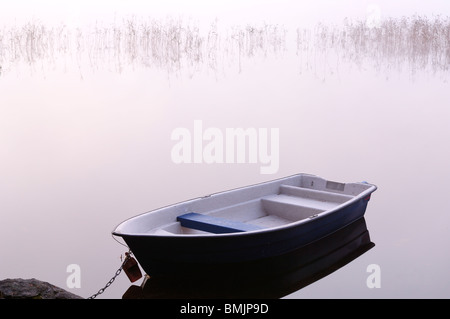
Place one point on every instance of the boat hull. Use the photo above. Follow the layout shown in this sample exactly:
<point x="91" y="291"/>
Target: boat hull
<point x="273" y="277"/>
<point x="160" y="255"/>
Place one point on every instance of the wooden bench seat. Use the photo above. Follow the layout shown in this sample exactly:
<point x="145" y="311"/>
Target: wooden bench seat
<point x="211" y="224"/>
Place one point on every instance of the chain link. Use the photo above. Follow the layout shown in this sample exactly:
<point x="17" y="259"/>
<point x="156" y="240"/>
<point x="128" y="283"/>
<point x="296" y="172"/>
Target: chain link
<point x="128" y="256"/>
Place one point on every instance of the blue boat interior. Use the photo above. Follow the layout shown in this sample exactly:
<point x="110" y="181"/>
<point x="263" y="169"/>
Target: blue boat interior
<point x="212" y="224"/>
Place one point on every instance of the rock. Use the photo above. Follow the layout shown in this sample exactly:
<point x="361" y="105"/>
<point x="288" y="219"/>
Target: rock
<point x="32" y="289"/>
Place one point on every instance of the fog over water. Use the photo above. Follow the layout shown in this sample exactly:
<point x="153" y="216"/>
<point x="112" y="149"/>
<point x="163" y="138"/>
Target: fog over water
<point x="90" y="97"/>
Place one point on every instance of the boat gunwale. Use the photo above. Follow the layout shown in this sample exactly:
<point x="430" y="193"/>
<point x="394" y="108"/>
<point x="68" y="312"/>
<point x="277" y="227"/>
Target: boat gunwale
<point x="309" y="219"/>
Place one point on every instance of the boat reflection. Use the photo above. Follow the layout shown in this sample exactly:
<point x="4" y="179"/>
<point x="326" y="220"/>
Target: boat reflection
<point x="270" y="278"/>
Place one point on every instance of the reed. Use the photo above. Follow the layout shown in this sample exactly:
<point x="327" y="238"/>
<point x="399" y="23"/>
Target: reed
<point x="176" y="45"/>
<point x="410" y="43"/>
<point x="170" y="45"/>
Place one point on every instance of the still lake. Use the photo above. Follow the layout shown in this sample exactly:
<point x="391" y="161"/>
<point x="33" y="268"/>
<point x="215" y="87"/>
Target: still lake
<point x="86" y="121"/>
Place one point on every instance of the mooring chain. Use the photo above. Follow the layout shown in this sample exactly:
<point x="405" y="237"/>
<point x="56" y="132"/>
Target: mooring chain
<point x="128" y="256"/>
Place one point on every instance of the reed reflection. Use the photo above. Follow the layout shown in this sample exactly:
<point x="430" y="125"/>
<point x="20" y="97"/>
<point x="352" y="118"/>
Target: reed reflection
<point x="271" y="278"/>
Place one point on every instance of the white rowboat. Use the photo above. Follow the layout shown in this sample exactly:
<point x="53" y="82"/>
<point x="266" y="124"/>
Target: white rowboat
<point x="245" y="224"/>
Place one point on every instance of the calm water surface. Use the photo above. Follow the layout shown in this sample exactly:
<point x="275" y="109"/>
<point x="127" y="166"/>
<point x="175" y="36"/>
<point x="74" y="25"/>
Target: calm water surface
<point x="86" y="144"/>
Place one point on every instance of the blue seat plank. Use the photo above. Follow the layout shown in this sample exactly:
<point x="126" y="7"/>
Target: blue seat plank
<point x="211" y="224"/>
